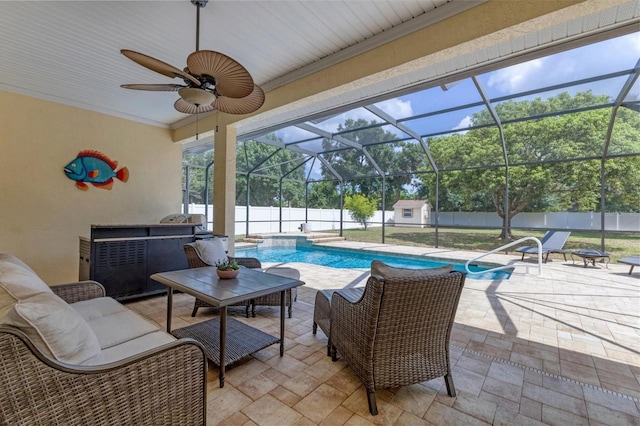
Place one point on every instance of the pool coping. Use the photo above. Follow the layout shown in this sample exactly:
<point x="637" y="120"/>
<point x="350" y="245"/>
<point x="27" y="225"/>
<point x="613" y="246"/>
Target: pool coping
<point x="420" y="253"/>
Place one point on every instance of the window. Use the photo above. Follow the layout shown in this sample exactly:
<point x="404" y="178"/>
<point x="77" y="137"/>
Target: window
<point x="407" y="212"/>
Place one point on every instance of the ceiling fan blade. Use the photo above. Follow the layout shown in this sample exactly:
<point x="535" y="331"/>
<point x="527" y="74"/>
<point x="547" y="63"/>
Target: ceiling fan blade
<point x="158" y="66"/>
<point x="154" y="87"/>
<point x="232" y="79"/>
<point x="183" y="106"/>
<point x="245" y="105"/>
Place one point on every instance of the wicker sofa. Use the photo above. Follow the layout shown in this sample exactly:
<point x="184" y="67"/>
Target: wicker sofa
<point x="69" y="355"/>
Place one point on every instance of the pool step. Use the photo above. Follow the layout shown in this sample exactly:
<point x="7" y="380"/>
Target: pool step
<point x="325" y="239"/>
<point x="314" y="238"/>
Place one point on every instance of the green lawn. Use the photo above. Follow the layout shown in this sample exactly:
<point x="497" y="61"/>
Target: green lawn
<point x="619" y="244"/>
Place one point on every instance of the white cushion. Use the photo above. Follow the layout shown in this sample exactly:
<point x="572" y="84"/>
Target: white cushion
<point x="56" y="328"/>
<point x="131" y="347"/>
<point x="17" y="282"/>
<point x="112" y="323"/>
<point x="211" y="250"/>
<point x="284" y="271"/>
<point x="6" y="257"/>
<point x="385" y="271"/>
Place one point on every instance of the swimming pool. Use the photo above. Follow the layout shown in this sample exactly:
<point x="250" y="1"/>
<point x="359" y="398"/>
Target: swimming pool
<point x="342" y="258"/>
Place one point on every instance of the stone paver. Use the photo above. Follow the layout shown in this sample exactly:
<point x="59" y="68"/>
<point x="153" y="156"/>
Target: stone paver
<point x="559" y="348"/>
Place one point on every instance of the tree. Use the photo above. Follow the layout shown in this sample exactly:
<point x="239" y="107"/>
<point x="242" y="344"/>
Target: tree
<point x="197" y="164"/>
<point x="266" y="164"/>
<point x="394" y="157"/>
<point x="360" y="207"/>
<point x="543" y="174"/>
<point x="323" y="195"/>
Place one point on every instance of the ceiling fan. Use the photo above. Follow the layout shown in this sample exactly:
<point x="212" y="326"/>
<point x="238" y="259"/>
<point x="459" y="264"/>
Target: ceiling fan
<point x="211" y="80"/>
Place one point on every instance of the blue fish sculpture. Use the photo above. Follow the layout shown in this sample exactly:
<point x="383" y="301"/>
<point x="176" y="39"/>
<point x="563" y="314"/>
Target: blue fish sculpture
<point x="95" y="168"/>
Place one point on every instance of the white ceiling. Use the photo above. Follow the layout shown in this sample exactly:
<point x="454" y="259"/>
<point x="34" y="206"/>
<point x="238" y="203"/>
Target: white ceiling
<point x="69" y="51"/>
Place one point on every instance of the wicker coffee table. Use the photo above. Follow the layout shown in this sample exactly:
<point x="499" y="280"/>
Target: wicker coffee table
<point x="226" y="340"/>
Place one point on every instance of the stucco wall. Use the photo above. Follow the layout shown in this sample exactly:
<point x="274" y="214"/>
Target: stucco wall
<point x="42" y="213"/>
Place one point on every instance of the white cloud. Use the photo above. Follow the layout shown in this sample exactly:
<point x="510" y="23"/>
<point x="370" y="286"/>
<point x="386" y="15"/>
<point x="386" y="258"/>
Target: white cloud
<point x="464" y="123"/>
<point x="514" y="78"/>
<point x="396" y="108"/>
<point x="292" y="133"/>
<point x="331" y="125"/>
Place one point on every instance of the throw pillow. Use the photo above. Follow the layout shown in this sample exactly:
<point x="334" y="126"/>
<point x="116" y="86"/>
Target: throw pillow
<point x="55" y="327"/>
<point x="382" y="269"/>
<point x="17" y="283"/>
<point x="211" y="250"/>
<point x="6" y="257"/>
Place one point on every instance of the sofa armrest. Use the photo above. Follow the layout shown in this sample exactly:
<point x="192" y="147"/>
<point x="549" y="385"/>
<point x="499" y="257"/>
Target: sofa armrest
<point x="166" y="385"/>
<point x="79" y="291"/>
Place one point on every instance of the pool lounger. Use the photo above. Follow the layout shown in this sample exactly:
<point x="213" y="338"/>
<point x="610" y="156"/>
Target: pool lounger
<point x="633" y="261"/>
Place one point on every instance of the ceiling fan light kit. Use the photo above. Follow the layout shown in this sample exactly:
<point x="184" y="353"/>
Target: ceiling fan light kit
<point x="196" y="96"/>
<point x="212" y="80"/>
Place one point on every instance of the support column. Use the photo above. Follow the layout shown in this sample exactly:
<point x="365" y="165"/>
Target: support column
<point x="224" y="183"/>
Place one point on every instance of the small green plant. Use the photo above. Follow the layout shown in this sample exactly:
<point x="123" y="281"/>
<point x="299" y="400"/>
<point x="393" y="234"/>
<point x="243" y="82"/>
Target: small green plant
<point x="227" y="265"/>
<point x="361" y="208"/>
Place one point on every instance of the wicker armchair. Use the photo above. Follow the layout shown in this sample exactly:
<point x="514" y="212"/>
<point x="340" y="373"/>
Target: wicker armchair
<point x="195" y="261"/>
<point x="166" y="385"/>
<point x="398" y="332"/>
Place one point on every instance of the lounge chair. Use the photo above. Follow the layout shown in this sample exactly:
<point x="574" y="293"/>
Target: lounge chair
<point x="633" y="261"/>
<point x="552" y="242"/>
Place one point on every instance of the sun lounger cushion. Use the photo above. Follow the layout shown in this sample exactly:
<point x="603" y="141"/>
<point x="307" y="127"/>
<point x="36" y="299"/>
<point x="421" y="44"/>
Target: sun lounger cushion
<point x="383" y="270"/>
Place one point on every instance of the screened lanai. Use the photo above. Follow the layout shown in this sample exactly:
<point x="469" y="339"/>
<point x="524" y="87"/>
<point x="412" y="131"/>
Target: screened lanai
<point x="553" y="130"/>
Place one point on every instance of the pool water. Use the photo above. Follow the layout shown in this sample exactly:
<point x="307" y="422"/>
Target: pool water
<point x="341" y="258"/>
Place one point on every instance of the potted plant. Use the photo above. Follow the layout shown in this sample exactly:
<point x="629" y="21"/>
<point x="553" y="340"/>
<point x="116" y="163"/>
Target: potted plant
<point x="227" y="269"/>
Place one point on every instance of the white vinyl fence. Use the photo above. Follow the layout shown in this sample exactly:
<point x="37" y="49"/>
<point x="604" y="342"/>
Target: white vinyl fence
<point x="267" y="220"/>
<point x="557" y="220"/>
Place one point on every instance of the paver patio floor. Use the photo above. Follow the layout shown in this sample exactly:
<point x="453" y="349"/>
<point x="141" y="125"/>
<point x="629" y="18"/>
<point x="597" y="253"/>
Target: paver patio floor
<point x="560" y="348"/>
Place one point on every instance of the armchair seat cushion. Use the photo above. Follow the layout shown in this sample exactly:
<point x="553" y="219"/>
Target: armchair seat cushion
<point x="131" y="347"/>
<point x="119" y="329"/>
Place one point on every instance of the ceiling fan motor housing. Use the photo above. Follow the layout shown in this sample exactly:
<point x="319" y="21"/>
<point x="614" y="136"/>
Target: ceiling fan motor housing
<point x="199" y="3"/>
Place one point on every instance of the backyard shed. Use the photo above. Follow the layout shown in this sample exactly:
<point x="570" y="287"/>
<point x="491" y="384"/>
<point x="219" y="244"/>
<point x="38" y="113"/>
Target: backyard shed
<point x="411" y="213"/>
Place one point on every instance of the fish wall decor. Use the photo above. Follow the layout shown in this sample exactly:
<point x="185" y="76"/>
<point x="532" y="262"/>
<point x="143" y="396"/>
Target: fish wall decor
<point x="95" y="168"/>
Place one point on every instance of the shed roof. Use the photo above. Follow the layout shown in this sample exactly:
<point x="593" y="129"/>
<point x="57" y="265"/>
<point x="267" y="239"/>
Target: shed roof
<point x="409" y="203"/>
